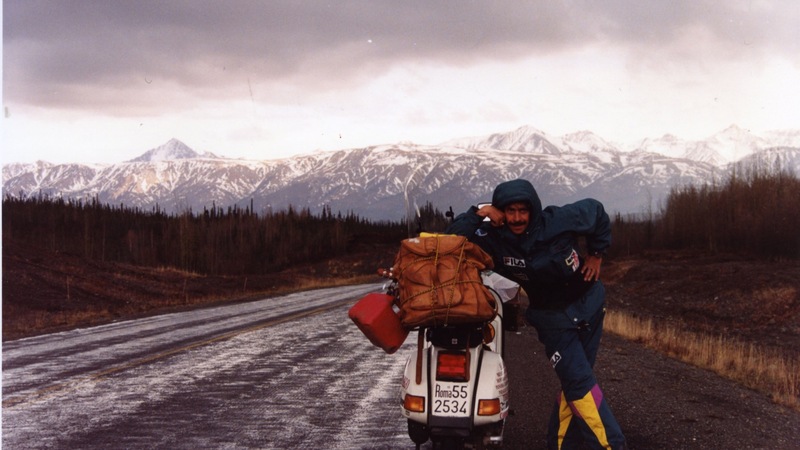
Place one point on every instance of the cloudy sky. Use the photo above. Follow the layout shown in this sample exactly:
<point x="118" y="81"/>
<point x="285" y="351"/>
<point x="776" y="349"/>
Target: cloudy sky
<point x="104" y="81"/>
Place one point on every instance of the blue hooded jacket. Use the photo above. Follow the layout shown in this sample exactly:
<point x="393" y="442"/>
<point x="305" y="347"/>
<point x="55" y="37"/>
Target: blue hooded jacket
<point x="545" y="260"/>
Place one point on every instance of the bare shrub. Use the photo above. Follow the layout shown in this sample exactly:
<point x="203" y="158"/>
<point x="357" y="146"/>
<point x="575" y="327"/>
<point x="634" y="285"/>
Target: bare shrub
<point x="755" y="211"/>
<point x="766" y="370"/>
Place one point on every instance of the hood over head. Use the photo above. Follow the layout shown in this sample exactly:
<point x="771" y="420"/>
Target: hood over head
<point x="515" y="191"/>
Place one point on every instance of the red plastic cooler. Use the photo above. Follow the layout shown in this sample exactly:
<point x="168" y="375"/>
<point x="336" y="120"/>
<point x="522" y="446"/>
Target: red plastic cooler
<point x="377" y="320"/>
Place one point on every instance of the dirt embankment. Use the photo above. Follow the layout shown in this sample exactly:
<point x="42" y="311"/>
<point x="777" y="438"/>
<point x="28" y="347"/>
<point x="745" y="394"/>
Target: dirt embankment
<point x="47" y="291"/>
<point x="752" y="300"/>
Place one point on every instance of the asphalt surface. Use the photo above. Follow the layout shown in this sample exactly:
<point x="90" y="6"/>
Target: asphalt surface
<point x="659" y="402"/>
<point x="292" y="373"/>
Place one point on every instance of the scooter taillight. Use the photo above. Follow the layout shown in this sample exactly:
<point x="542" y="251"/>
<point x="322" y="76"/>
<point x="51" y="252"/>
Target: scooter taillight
<point x="452" y="366"/>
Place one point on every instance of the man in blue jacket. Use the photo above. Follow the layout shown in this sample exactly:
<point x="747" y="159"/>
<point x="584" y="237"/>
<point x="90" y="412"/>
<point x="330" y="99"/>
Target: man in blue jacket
<point x="539" y="249"/>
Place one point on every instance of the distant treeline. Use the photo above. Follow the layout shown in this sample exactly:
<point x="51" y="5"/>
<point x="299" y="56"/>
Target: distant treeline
<point x="214" y="242"/>
<point x="755" y="212"/>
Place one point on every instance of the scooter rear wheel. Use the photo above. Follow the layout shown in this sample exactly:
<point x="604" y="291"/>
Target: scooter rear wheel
<point x="418" y="432"/>
<point x="449" y="443"/>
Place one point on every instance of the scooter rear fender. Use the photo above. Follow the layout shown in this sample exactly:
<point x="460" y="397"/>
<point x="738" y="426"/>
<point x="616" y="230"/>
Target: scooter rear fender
<point x="441" y="398"/>
<point x="493" y="384"/>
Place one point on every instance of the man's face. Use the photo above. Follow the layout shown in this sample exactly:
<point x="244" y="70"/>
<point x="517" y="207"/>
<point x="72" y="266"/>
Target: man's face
<point x="518" y="216"/>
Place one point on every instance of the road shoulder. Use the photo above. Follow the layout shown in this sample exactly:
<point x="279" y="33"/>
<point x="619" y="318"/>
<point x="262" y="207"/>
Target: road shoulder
<point x="659" y="402"/>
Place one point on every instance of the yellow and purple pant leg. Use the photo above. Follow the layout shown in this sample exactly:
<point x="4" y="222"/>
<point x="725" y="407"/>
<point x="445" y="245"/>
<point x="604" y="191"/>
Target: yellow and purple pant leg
<point x="571" y="339"/>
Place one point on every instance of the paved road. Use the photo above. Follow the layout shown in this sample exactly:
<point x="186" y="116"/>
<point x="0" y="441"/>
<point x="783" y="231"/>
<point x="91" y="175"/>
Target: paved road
<point x="192" y="381"/>
<point x="291" y="372"/>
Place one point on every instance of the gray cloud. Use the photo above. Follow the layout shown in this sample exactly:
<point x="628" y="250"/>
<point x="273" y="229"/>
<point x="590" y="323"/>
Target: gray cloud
<point x="122" y="55"/>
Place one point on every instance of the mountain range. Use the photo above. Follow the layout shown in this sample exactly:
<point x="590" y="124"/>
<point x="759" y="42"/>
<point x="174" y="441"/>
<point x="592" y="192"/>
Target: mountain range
<point x="384" y="182"/>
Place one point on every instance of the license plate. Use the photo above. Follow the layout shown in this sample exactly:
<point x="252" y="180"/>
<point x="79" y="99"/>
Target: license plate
<point x="450" y="399"/>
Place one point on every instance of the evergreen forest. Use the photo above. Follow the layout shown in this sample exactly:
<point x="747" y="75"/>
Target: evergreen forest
<point x="754" y="212"/>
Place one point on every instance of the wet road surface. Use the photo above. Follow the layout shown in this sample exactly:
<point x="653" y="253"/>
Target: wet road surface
<point x="294" y="372"/>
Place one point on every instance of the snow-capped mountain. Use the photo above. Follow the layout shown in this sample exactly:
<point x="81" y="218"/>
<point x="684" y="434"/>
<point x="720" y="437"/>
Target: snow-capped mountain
<point x="728" y="146"/>
<point x="377" y="182"/>
<point x="525" y="139"/>
<point x="171" y="150"/>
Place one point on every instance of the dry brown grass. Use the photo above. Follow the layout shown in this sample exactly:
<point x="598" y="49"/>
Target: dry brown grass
<point x="344" y="281"/>
<point x="762" y="369"/>
<point x="175" y="271"/>
<point x="310" y="283"/>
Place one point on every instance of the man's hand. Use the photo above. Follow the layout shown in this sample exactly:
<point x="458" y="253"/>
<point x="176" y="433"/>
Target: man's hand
<point x="591" y="268"/>
<point x="496" y="216"/>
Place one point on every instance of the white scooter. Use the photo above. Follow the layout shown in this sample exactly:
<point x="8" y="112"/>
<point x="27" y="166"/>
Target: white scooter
<point x="455" y="387"/>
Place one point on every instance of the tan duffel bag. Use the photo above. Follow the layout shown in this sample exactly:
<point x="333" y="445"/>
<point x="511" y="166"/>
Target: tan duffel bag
<point x="440" y="283"/>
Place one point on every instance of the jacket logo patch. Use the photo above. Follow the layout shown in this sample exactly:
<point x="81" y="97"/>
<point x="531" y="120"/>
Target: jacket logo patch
<point x="573" y="261"/>
<point x="513" y="262"/>
<point x="480" y="233"/>
<point x="555" y="359"/>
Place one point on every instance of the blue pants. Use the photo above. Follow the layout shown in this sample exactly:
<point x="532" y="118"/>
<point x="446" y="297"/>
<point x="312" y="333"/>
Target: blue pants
<point x="571" y="338"/>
